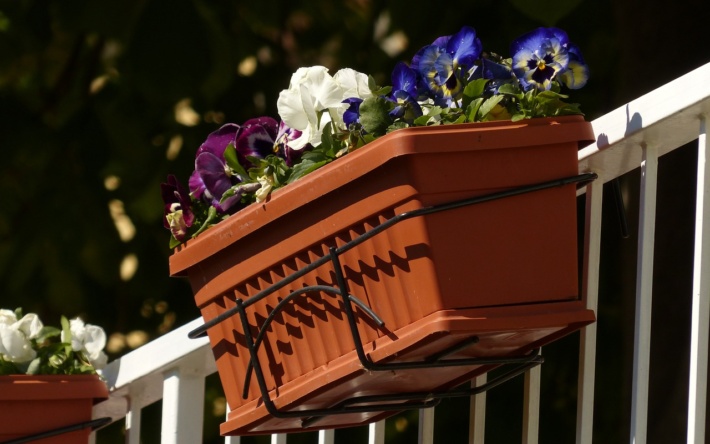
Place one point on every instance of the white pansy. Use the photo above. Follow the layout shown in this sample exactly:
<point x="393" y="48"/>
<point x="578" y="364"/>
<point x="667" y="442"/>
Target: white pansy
<point x="352" y="84"/>
<point x="7" y="317"/>
<point x="89" y="339"/>
<point x="314" y="97"/>
<point x="311" y="91"/>
<point x="15" y="336"/>
<point x="30" y="325"/>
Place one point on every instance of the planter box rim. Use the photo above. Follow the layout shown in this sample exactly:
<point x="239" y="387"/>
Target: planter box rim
<point x="22" y="387"/>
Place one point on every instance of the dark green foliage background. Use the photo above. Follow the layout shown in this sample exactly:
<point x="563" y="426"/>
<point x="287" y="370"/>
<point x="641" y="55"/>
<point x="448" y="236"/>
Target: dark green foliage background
<point x="60" y="139"/>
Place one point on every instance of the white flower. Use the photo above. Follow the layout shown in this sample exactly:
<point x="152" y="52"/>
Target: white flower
<point x="313" y="98"/>
<point x="7" y="317"/>
<point x="311" y="91"/>
<point x="89" y="339"/>
<point x="15" y="336"/>
<point x="352" y="84"/>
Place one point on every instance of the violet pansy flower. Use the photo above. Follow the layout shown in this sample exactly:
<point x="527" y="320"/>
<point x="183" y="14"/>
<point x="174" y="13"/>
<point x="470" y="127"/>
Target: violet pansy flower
<point x="178" y="216"/>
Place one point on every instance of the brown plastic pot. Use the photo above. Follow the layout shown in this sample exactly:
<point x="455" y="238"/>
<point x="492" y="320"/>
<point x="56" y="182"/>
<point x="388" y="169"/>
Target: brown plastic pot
<point x="36" y="404"/>
<point x="504" y="271"/>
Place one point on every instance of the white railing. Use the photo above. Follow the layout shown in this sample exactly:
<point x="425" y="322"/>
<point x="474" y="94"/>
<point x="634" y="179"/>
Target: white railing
<point x="173" y="368"/>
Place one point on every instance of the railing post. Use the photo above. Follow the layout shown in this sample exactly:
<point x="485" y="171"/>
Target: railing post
<point x="701" y="299"/>
<point x="426" y="426"/>
<point x="133" y="422"/>
<point x="326" y="436"/>
<point x="590" y="289"/>
<point x="183" y="394"/>
<point x="376" y="433"/>
<point x="531" y="405"/>
<point x="278" y="438"/>
<point x="477" y="420"/>
<point x="644" y="287"/>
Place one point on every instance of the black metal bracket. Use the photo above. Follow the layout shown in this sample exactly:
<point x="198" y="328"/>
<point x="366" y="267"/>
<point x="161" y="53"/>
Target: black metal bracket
<point x="385" y="402"/>
<point x="93" y="424"/>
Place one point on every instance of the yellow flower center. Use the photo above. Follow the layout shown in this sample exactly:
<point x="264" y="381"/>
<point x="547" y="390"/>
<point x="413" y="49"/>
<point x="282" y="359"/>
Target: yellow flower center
<point x="541" y="65"/>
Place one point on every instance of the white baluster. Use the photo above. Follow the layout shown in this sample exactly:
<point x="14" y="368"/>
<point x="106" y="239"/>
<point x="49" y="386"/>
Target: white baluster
<point x="426" y="426"/>
<point x="590" y="287"/>
<point x="183" y="408"/>
<point x="477" y="415"/>
<point x="644" y="287"/>
<point x="326" y="436"/>
<point x="531" y="405"/>
<point x="701" y="302"/>
<point x="376" y="433"/>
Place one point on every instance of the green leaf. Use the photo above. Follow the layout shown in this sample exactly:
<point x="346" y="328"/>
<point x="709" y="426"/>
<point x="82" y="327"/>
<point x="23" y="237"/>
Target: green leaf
<point x="472" y="110"/>
<point x="66" y="330"/>
<point x="34" y="367"/>
<point x="395" y="126"/>
<point x="47" y="332"/>
<point x="303" y="168"/>
<point x="230" y="156"/>
<point x="382" y="91"/>
<point x="174" y="243"/>
<point x="327" y="142"/>
<point x="511" y="90"/>
<point x="211" y="216"/>
<point x="488" y="105"/>
<point x="374" y="115"/>
<point x="377" y="90"/>
<point x="371" y="83"/>
<point x="475" y="89"/>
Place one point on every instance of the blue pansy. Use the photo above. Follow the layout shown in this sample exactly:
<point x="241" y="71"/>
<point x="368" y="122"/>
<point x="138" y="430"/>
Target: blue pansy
<point x="405" y="86"/>
<point x="539" y="56"/>
<point x="445" y="64"/>
<point x="577" y="72"/>
<point x="352" y="113"/>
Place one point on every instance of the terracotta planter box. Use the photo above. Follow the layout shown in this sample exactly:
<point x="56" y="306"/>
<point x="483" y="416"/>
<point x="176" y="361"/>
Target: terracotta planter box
<point x="34" y="404"/>
<point x="503" y="271"/>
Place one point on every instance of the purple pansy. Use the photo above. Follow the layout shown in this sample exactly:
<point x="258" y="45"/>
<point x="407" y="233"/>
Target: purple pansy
<point x="282" y="148"/>
<point x="215" y="144"/>
<point x="256" y="138"/>
<point x="178" y="215"/>
<point x="213" y="177"/>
